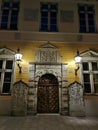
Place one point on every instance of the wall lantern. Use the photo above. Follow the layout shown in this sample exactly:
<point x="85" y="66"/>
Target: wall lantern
<point x="78" y="59"/>
<point x="18" y="59"/>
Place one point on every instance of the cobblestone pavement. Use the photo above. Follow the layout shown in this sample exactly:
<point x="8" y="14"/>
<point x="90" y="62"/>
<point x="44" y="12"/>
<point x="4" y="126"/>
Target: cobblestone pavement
<point x="48" y="122"/>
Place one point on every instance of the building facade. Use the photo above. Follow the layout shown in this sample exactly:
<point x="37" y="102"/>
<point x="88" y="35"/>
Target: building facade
<point x="48" y="34"/>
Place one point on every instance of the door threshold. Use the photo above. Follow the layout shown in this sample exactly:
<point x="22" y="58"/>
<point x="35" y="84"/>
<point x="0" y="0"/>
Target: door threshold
<point x="48" y="114"/>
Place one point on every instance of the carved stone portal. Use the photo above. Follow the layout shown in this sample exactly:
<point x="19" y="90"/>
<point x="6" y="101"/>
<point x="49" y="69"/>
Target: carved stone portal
<point x="47" y="62"/>
<point x="19" y="99"/>
<point x="76" y="102"/>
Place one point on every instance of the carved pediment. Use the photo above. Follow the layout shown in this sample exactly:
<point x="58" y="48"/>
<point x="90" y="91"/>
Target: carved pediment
<point x="48" y="46"/>
<point x="89" y="53"/>
<point x="6" y="51"/>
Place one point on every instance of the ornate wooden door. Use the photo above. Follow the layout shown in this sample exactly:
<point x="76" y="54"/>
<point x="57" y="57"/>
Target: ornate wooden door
<point x="48" y="94"/>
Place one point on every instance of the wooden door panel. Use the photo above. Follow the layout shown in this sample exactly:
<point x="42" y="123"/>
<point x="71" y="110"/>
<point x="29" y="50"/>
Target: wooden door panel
<point x="42" y="99"/>
<point x="48" y="99"/>
<point x="53" y="99"/>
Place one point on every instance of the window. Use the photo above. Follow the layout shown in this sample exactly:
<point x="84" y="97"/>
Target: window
<point x="86" y="18"/>
<point x="90" y="76"/>
<point x="49" y="17"/>
<point x="9" y="15"/>
<point x="6" y="75"/>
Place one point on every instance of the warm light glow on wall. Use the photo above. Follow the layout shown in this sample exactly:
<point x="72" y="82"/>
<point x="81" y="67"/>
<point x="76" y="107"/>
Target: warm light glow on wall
<point x="25" y="62"/>
<point x="71" y="63"/>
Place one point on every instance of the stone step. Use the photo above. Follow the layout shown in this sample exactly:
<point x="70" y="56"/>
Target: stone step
<point x="31" y="113"/>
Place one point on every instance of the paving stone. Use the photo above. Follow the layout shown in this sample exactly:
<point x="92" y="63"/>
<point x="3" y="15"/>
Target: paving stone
<point x="48" y="122"/>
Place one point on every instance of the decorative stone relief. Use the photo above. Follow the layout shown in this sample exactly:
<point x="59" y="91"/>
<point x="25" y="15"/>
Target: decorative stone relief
<point x="48" y="61"/>
<point x="48" y="54"/>
<point x="76" y="102"/>
<point x="19" y="98"/>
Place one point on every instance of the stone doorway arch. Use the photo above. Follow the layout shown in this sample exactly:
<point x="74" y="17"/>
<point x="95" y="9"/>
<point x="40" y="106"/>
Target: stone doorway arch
<point x="48" y="94"/>
<point x="48" y="63"/>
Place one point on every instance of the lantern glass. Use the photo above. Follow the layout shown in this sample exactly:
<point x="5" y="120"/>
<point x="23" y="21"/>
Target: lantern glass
<point x="78" y="59"/>
<point x="18" y="57"/>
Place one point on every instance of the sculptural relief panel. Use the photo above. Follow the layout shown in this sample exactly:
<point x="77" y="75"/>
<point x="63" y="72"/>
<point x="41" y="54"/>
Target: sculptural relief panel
<point x="76" y="102"/>
<point x="48" y="54"/>
<point x="48" y="61"/>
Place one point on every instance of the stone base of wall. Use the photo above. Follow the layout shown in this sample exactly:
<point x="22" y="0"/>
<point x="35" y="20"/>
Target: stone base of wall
<point x="91" y="107"/>
<point x="5" y="107"/>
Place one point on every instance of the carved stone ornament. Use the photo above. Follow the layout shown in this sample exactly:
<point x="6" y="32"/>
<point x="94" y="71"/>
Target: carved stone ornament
<point x="6" y="51"/>
<point x="48" y="61"/>
<point x="19" y="98"/>
<point x="76" y="102"/>
<point x="48" y="53"/>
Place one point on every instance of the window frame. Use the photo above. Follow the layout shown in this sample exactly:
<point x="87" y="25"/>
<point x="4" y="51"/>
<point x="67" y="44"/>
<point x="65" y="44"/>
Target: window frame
<point x="49" y="17"/>
<point x="91" y="72"/>
<point x="11" y="24"/>
<point x="5" y="57"/>
<point x="86" y="19"/>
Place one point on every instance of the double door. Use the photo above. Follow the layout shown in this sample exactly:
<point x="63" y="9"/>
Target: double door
<point x="48" y="94"/>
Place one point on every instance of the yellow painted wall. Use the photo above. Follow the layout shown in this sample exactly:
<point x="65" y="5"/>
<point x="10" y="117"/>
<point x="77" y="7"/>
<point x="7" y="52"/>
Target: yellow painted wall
<point x="67" y="39"/>
<point x="68" y="52"/>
